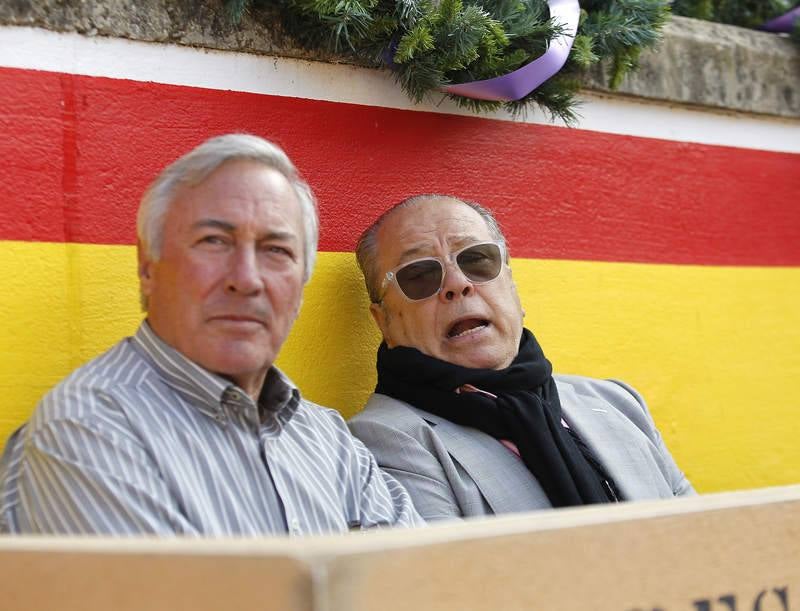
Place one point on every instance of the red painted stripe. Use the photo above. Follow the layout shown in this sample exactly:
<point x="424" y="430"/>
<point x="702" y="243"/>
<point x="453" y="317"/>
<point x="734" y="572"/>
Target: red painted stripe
<point x="69" y="150"/>
<point x="79" y="151"/>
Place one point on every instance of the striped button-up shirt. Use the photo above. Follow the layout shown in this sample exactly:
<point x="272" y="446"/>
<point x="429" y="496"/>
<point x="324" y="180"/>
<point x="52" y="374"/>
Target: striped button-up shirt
<point x="143" y="440"/>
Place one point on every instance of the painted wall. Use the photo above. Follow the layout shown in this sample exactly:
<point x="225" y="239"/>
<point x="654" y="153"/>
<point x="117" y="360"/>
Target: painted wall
<point x="656" y="245"/>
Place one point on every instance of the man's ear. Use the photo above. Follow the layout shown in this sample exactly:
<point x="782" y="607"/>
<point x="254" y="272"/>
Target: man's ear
<point x="145" y="270"/>
<point x="379" y="316"/>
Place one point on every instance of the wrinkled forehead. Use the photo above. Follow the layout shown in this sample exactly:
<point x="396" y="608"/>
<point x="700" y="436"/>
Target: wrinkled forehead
<point x="430" y="227"/>
<point x="239" y="191"/>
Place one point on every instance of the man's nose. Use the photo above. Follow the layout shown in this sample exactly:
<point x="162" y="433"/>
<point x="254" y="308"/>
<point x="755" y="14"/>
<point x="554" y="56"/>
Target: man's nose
<point x="243" y="274"/>
<point x="455" y="284"/>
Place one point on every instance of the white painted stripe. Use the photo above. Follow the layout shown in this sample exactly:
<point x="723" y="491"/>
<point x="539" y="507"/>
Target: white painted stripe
<point x="37" y="49"/>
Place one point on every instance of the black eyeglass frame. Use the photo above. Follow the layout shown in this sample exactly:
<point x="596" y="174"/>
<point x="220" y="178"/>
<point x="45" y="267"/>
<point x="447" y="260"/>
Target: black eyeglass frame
<point x="391" y="276"/>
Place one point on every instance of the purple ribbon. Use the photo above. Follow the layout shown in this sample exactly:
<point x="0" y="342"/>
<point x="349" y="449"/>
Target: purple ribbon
<point x="522" y="81"/>
<point x="784" y="23"/>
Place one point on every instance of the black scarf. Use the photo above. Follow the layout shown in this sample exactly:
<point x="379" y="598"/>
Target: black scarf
<point x="527" y="411"/>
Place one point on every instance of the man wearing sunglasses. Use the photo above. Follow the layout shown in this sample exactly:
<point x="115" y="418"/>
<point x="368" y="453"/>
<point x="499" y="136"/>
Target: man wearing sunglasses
<point x="467" y="413"/>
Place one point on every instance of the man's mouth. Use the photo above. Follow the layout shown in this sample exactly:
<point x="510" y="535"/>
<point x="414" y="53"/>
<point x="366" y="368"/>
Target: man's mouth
<point x="238" y="319"/>
<point x="467" y="326"/>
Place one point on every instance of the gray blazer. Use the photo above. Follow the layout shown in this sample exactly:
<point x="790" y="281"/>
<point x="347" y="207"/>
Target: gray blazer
<point x="454" y="471"/>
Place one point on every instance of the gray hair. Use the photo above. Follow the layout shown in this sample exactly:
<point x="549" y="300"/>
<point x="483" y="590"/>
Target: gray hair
<point x="367" y="247"/>
<point x="198" y="164"/>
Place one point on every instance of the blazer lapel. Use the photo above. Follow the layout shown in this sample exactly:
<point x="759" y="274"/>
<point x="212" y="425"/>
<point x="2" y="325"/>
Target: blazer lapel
<point x="617" y="443"/>
<point x="502" y="478"/>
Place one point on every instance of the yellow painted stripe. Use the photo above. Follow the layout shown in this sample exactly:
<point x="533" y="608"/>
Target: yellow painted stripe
<point x="716" y="351"/>
<point x="61" y="304"/>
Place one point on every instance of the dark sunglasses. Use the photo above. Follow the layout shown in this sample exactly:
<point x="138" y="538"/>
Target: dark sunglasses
<point x="423" y="278"/>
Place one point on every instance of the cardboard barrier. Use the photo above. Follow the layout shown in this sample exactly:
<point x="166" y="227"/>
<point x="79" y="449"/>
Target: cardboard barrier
<point x="727" y="552"/>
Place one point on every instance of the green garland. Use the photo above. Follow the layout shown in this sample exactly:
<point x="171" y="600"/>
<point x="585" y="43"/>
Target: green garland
<point x="745" y="13"/>
<point x="432" y="43"/>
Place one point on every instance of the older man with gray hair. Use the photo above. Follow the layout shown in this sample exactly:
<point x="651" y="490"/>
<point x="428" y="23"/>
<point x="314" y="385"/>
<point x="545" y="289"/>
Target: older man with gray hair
<point x="188" y="427"/>
<point x="467" y="412"/>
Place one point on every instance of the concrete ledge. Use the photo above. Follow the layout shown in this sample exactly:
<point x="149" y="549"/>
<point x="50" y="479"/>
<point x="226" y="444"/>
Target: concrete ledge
<point x="720" y="66"/>
<point x="698" y="63"/>
<point x="201" y="23"/>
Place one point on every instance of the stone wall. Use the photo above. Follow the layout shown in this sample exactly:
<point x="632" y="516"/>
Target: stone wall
<point x="698" y="63"/>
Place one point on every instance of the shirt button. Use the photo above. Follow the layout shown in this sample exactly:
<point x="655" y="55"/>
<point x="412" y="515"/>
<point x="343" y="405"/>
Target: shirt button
<point x="294" y="526"/>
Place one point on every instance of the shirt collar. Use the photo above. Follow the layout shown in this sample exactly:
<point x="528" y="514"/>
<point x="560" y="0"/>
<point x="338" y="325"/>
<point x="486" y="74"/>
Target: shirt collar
<point x="279" y="397"/>
<point x="212" y="394"/>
